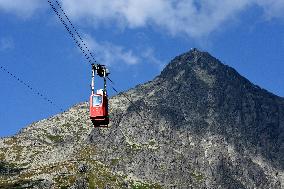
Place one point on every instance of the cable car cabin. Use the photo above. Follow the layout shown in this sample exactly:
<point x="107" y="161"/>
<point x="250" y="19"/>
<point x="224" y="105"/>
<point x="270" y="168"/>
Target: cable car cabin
<point x="99" y="109"/>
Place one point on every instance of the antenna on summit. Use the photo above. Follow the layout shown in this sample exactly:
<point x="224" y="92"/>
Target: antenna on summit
<point x="194" y="49"/>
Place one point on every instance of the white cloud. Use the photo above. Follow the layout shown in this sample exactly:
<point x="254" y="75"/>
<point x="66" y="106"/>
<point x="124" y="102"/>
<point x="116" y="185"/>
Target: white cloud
<point x="23" y="8"/>
<point x="193" y="18"/>
<point x="110" y="54"/>
<point x="190" y="17"/>
<point x="6" y="44"/>
<point x="149" y="56"/>
<point x="272" y="8"/>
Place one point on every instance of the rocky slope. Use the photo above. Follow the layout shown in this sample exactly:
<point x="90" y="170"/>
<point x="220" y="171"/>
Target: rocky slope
<point x="199" y="124"/>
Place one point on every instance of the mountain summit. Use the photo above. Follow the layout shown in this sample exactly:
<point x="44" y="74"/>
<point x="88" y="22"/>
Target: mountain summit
<point x="199" y="124"/>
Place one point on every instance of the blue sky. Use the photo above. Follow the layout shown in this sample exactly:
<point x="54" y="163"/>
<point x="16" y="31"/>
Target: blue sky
<point x="136" y="39"/>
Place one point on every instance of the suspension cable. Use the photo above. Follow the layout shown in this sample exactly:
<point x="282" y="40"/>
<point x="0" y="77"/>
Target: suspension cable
<point x="27" y="85"/>
<point x="110" y="80"/>
<point x="86" y="47"/>
<point x="136" y="107"/>
<point x="70" y="32"/>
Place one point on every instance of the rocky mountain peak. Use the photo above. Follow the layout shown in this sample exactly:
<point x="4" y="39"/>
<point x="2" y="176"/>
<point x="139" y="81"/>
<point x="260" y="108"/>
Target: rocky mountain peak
<point x="196" y="69"/>
<point x="193" y="59"/>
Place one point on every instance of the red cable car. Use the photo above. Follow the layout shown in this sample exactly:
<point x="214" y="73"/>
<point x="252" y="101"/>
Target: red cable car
<point x="99" y="100"/>
<point x="99" y="109"/>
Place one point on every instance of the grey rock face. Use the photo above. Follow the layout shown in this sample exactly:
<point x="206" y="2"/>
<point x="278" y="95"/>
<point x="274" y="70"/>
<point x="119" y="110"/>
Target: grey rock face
<point x="199" y="124"/>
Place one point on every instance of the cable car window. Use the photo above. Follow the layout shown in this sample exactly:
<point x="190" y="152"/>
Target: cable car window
<point x="97" y="100"/>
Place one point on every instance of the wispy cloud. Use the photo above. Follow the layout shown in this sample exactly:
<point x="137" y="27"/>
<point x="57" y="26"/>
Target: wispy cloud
<point x="110" y="54"/>
<point x="272" y="8"/>
<point x="193" y="18"/>
<point x="150" y="57"/>
<point x="6" y="43"/>
<point x="190" y="17"/>
<point x="22" y="8"/>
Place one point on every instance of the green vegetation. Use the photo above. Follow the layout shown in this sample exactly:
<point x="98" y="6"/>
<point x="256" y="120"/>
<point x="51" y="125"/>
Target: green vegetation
<point x="92" y="183"/>
<point x="64" y="182"/>
<point x="11" y="141"/>
<point x="163" y="167"/>
<point x="97" y="174"/>
<point x="2" y="153"/>
<point x="135" y="147"/>
<point x="19" y="184"/>
<point x="55" y="138"/>
<point x="197" y="176"/>
<point x="9" y="168"/>
<point x="18" y="151"/>
<point x="114" y="161"/>
<point x="152" y="142"/>
<point x="140" y="185"/>
<point x="66" y="125"/>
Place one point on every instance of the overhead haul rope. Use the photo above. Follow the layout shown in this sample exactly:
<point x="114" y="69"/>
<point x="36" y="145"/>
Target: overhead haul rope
<point x="31" y="88"/>
<point x="137" y="108"/>
<point x="76" y="32"/>
<point x="129" y="101"/>
<point x="70" y="32"/>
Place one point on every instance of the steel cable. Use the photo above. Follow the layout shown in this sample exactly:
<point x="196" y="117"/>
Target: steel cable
<point x="70" y="32"/>
<point x="76" y="31"/>
<point x="31" y="88"/>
